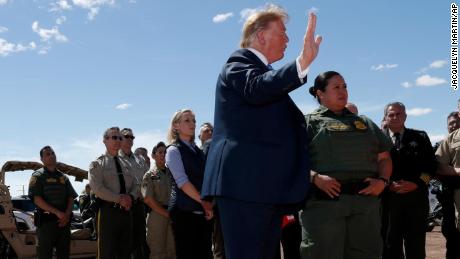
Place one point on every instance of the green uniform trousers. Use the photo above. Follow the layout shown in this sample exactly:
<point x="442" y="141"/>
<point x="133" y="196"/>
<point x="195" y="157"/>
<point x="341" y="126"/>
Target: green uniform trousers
<point x="51" y="235"/>
<point x="348" y="228"/>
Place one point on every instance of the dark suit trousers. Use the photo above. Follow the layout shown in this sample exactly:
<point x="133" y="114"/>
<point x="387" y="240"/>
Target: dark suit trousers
<point x="250" y="230"/>
<point x="192" y="234"/>
<point x="404" y="223"/>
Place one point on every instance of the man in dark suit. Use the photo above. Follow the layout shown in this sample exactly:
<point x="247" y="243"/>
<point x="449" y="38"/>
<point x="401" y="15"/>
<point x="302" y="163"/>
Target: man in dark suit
<point x="405" y="203"/>
<point x="257" y="168"/>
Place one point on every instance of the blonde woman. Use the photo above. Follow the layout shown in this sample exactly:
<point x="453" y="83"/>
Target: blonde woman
<point x="185" y="161"/>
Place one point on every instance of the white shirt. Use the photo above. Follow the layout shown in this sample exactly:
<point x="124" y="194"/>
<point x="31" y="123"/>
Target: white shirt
<point x="301" y="74"/>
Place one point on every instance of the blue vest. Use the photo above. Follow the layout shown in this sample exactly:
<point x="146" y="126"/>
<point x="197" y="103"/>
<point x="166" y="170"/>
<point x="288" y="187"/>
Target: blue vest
<point x="194" y="163"/>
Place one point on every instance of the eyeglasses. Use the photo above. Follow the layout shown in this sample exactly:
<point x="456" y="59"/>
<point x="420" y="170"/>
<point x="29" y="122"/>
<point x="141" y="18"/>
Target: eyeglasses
<point x="129" y="137"/>
<point x="116" y="138"/>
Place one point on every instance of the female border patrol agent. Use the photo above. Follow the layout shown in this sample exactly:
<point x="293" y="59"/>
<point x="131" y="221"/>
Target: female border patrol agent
<point x="350" y="167"/>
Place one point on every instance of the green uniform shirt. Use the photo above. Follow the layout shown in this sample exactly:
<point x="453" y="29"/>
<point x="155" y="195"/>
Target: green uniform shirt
<point x="345" y="146"/>
<point x="157" y="184"/>
<point x="54" y="187"/>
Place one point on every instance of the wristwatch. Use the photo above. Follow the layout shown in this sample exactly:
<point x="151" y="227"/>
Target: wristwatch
<point x="385" y="180"/>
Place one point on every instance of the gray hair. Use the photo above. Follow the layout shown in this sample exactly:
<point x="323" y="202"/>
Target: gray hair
<point x="107" y="131"/>
<point x="400" y="104"/>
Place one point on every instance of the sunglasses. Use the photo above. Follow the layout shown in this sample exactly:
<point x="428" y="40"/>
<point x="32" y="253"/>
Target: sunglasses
<point x="129" y="137"/>
<point x="116" y="138"/>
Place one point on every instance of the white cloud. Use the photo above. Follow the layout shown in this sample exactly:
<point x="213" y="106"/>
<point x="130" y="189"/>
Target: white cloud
<point x="406" y="84"/>
<point x="418" y="111"/>
<point x="438" y="64"/>
<point x="61" y="5"/>
<point x="61" y="20"/>
<point x="48" y="34"/>
<point x="436" y="138"/>
<point x="123" y="106"/>
<point x="221" y="17"/>
<point x="427" y="80"/>
<point x="92" y="5"/>
<point x="3" y="2"/>
<point x="434" y="64"/>
<point x="7" y="48"/>
<point x="3" y="29"/>
<point x="382" y="67"/>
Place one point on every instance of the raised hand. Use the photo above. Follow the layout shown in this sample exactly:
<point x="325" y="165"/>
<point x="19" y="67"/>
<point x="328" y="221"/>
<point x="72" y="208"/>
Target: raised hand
<point x="310" y="43"/>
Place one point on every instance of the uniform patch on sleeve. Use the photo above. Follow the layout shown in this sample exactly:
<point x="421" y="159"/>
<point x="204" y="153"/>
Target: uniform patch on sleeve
<point x="33" y="181"/>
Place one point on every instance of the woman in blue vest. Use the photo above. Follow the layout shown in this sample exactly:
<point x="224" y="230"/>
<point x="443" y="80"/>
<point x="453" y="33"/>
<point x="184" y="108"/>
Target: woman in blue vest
<point x="350" y="166"/>
<point x="192" y="230"/>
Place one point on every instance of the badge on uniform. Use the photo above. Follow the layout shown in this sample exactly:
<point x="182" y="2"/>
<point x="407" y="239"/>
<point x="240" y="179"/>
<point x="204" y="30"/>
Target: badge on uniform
<point x="360" y="125"/>
<point x="51" y="180"/>
<point x="338" y="126"/>
<point x="62" y="179"/>
<point x="413" y="144"/>
<point x="32" y="181"/>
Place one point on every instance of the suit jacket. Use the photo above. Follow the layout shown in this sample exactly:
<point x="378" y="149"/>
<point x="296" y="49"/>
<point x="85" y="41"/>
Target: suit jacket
<point x="415" y="156"/>
<point x="259" y="151"/>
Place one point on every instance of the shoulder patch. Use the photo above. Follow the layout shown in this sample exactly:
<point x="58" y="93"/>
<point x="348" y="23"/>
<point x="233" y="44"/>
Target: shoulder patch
<point x="33" y="181"/>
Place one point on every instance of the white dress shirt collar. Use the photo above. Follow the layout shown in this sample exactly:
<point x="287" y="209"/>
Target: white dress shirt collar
<point x="259" y="55"/>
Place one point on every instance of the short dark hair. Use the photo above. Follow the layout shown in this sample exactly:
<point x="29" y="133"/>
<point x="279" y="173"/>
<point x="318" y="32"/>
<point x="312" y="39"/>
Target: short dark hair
<point x="157" y="146"/>
<point x="453" y="114"/>
<point x="43" y="150"/>
<point x="321" y="81"/>
<point x="139" y="149"/>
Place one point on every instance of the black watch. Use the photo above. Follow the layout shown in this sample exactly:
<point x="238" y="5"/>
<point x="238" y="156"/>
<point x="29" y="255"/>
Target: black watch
<point x="385" y="181"/>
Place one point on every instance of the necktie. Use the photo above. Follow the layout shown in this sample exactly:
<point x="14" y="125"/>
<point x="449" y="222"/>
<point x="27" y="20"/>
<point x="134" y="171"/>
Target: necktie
<point x="120" y="176"/>
<point x="269" y="67"/>
<point x="397" y="140"/>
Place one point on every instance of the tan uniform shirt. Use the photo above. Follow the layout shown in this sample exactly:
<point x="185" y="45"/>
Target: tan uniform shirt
<point x="137" y="167"/>
<point x="104" y="181"/>
<point x="448" y="152"/>
<point x="157" y="184"/>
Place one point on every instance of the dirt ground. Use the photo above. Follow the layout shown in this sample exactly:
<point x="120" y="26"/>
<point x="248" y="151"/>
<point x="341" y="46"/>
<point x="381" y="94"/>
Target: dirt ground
<point x="435" y="244"/>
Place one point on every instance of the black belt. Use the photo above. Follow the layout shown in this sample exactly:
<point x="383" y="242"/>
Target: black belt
<point x="353" y="188"/>
<point x="108" y="204"/>
<point x="138" y="200"/>
<point x="350" y="188"/>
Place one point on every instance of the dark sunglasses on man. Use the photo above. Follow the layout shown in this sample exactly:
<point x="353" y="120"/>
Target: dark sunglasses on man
<point x="129" y="137"/>
<point x="116" y="138"/>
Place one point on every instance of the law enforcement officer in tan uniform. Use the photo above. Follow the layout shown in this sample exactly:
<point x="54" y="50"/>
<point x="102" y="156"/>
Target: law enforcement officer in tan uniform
<point x="448" y="156"/>
<point x="53" y="194"/>
<point x="137" y="167"/>
<point x="156" y="190"/>
<point x="113" y="185"/>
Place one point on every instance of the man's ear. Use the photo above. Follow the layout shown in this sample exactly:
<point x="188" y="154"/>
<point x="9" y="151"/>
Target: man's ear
<point x="260" y="37"/>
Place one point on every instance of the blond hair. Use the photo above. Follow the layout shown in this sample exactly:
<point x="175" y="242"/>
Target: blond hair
<point x="173" y="135"/>
<point x="259" y="20"/>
